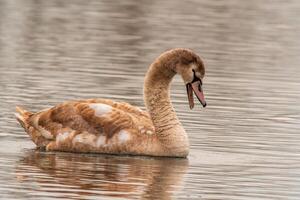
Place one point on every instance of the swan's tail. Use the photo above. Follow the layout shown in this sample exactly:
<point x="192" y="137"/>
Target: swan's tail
<point x="23" y="116"/>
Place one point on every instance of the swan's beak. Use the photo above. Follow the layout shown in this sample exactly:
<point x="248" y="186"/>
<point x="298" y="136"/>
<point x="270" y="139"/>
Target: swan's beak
<point x="195" y="86"/>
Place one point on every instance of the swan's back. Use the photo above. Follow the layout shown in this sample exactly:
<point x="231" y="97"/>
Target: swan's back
<point x="94" y="125"/>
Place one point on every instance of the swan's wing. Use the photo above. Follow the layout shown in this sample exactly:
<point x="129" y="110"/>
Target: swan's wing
<point x="94" y="121"/>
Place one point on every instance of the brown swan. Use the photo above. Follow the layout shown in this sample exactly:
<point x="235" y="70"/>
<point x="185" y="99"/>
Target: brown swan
<point x="105" y="126"/>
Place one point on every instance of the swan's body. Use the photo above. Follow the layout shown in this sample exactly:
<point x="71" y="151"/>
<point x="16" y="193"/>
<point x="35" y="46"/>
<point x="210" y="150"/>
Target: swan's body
<point x="105" y="126"/>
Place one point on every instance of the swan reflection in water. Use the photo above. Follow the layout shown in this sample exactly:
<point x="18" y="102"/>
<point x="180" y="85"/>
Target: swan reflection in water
<point x="85" y="175"/>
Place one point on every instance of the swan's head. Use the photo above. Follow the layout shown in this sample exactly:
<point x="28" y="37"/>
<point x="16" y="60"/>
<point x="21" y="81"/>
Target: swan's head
<point x="191" y="68"/>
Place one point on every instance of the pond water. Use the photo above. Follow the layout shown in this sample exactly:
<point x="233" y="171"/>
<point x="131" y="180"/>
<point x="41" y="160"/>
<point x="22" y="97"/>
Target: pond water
<point x="244" y="144"/>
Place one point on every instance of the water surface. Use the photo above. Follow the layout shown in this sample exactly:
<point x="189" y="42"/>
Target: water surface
<point x="244" y="145"/>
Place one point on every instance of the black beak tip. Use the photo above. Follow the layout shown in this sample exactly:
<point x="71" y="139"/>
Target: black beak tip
<point x="204" y="105"/>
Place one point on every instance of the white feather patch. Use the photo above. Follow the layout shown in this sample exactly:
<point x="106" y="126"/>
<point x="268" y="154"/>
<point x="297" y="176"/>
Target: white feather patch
<point x="85" y="138"/>
<point x="149" y="132"/>
<point x="101" y="141"/>
<point x="61" y="137"/>
<point x="123" y="136"/>
<point x="100" y="108"/>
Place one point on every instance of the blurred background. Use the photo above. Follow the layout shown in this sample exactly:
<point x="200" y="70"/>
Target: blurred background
<point x="244" y="144"/>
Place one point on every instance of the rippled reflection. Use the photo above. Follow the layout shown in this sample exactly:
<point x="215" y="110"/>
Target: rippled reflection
<point x="80" y="175"/>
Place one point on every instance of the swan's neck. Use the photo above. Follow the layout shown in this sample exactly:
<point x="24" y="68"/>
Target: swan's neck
<point x="168" y="129"/>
